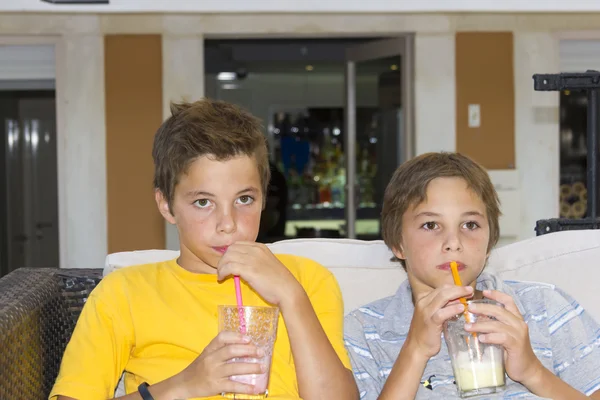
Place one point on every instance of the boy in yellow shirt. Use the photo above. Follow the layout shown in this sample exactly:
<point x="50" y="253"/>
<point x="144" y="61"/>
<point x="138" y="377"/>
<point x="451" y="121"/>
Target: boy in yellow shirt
<point x="157" y="323"/>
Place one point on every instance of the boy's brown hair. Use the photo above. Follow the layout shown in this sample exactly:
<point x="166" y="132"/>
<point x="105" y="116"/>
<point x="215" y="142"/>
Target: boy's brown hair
<point x="408" y="188"/>
<point x="206" y="128"/>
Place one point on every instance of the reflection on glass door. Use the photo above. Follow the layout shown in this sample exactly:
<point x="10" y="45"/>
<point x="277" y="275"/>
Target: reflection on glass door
<point x="28" y="183"/>
<point x="309" y="149"/>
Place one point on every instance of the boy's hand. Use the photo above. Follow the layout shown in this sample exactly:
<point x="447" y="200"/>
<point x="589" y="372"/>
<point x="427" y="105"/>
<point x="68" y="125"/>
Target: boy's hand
<point x="431" y="310"/>
<point x="511" y="332"/>
<point x="208" y="375"/>
<point x="258" y="266"/>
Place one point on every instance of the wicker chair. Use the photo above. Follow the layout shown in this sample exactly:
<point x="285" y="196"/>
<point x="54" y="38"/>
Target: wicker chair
<point x="38" y="312"/>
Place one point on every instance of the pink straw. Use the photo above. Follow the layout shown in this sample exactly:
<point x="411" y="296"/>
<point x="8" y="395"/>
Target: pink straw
<point x="238" y="297"/>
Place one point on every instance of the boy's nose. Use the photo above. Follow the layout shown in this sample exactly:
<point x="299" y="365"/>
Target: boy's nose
<point x="452" y="247"/>
<point x="452" y="243"/>
<point x="226" y="223"/>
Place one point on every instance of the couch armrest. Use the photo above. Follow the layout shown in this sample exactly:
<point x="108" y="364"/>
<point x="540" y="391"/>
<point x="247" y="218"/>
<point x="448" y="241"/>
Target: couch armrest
<point x="38" y="311"/>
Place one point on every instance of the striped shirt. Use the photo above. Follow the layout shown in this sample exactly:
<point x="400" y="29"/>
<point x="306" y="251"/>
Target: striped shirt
<point x="563" y="336"/>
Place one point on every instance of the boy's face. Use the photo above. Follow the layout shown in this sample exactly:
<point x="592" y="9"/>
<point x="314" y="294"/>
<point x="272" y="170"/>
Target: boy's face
<point x="450" y="225"/>
<point x="216" y="204"/>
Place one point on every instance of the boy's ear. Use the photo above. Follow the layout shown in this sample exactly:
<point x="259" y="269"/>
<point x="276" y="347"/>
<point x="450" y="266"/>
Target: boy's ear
<point x="163" y="206"/>
<point x="399" y="252"/>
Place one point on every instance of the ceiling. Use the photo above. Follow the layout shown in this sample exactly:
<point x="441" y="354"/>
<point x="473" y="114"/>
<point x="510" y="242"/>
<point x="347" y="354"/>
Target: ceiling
<point x="307" y="6"/>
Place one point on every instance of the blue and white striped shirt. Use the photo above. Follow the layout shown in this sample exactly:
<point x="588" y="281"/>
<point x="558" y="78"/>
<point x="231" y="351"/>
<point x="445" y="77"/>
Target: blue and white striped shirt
<point x="563" y="336"/>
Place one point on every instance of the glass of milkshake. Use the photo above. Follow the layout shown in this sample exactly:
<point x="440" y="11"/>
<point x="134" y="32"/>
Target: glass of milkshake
<point x="478" y="367"/>
<point x="260" y="324"/>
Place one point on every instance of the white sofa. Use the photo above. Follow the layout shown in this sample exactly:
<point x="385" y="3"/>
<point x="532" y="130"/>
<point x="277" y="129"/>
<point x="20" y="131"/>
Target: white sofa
<point x="365" y="272"/>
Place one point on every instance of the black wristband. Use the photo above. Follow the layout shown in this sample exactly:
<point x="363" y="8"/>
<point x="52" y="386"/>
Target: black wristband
<point x="144" y="392"/>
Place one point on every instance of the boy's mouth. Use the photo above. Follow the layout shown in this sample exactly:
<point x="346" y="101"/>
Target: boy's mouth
<point x="221" y="249"/>
<point x="446" y="266"/>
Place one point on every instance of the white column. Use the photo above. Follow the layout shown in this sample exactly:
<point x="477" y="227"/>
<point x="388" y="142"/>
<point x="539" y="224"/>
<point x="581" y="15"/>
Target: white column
<point x="537" y="129"/>
<point x="183" y="80"/>
<point x="81" y="151"/>
<point x="435" y="93"/>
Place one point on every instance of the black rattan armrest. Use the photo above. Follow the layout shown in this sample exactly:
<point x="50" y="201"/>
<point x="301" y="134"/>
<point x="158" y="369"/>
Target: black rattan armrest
<point x="38" y="311"/>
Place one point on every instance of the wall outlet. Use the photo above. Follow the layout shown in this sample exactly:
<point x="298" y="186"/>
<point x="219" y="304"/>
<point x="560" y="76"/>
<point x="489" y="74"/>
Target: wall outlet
<point x="474" y="116"/>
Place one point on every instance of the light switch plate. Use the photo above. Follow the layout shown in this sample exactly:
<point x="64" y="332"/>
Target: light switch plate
<point x="474" y="115"/>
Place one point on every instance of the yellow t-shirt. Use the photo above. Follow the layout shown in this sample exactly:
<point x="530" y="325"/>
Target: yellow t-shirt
<point x="153" y="320"/>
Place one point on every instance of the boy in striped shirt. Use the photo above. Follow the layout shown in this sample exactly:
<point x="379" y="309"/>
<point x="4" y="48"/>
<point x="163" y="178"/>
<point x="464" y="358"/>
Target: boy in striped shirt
<point x="442" y="207"/>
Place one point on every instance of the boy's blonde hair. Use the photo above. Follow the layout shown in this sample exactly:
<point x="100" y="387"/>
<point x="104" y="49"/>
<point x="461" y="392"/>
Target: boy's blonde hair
<point x="408" y="188"/>
<point x="206" y="127"/>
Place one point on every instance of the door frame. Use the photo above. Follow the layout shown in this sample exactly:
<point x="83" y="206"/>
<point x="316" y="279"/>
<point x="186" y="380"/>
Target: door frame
<point x="402" y="46"/>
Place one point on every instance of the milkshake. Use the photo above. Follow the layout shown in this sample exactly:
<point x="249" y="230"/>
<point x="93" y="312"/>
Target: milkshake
<point x="472" y="374"/>
<point x="259" y="381"/>
<point x="478" y="367"/>
<point x="260" y="324"/>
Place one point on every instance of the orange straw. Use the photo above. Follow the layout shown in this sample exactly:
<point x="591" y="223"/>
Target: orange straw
<point x="457" y="281"/>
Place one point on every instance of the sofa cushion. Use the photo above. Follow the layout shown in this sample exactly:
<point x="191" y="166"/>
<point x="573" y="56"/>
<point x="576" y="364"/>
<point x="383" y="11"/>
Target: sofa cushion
<point x="138" y="257"/>
<point x="568" y="259"/>
<point x="363" y="269"/>
<point x="365" y="272"/>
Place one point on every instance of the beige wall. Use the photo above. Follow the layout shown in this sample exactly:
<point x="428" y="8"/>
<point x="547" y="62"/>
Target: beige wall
<point x="81" y="40"/>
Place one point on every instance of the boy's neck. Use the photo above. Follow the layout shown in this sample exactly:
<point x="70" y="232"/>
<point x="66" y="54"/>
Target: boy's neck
<point x="194" y="265"/>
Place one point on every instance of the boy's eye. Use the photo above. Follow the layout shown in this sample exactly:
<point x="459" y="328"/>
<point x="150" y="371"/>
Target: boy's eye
<point x="430" y="226"/>
<point x="246" y="199"/>
<point x="471" y="225"/>
<point x="202" y="203"/>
